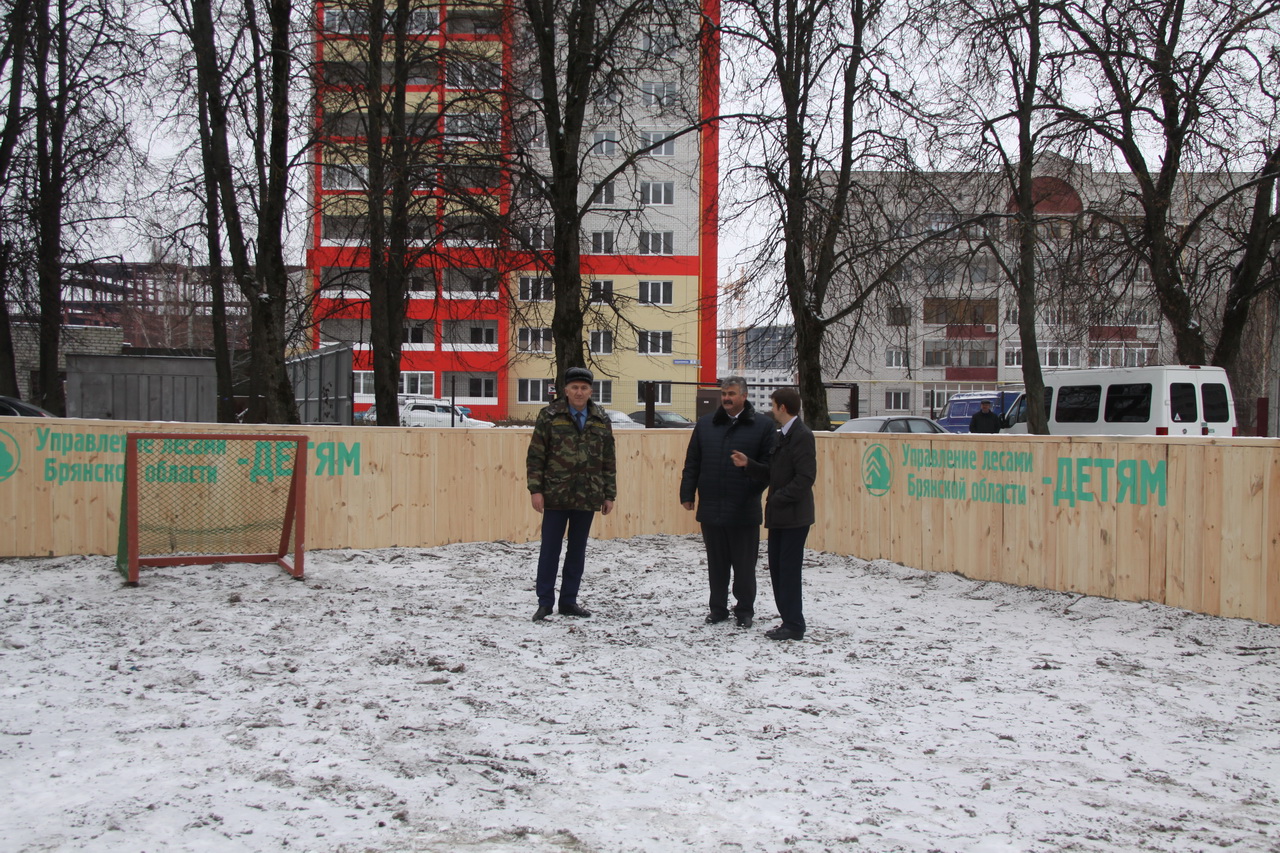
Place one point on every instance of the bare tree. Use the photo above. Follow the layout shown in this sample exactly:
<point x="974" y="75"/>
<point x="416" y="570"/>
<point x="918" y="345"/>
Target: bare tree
<point x="83" y="61"/>
<point x="587" y="70"/>
<point x="13" y="73"/>
<point x="254" y="81"/>
<point x="827" y="100"/>
<point x="1171" y="89"/>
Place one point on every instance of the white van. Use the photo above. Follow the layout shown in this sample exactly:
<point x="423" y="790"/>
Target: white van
<point x="1166" y="400"/>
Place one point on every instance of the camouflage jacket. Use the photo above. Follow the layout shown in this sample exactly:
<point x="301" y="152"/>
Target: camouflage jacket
<point x="572" y="469"/>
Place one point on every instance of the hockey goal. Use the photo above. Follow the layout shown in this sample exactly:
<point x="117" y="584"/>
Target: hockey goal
<point x="201" y="498"/>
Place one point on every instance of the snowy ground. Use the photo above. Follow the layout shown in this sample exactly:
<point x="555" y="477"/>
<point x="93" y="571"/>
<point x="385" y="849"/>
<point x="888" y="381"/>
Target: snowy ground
<point x="401" y="700"/>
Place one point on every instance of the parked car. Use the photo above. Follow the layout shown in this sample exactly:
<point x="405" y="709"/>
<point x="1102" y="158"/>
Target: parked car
<point x="620" y="421"/>
<point x="437" y="413"/>
<point x="892" y="423"/>
<point x="663" y="418"/>
<point x="13" y="407"/>
<point x="1174" y="399"/>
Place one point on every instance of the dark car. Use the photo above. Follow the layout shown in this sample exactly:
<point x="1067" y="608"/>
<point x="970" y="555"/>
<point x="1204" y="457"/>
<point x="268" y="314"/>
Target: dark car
<point x="891" y="423"/>
<point x="13" y="407"/>
<point x="662" y="418"/>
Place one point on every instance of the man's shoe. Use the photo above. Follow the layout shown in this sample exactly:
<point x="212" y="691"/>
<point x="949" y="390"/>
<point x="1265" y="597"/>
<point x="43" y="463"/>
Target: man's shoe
<point x="574" y="610"/>
<point x="781" y="633"/>
<point x="744" y="620"/>
<point x="541" y="613"/>
<point x="716" y="618"/>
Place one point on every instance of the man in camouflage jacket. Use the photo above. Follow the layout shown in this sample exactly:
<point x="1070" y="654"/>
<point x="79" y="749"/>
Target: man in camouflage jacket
<point x="572" y="473"/>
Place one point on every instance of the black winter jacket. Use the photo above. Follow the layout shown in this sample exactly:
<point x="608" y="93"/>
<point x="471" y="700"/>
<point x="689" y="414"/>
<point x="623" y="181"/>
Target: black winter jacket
<point x="790" y="472"/>
<point x="726" y="495"/>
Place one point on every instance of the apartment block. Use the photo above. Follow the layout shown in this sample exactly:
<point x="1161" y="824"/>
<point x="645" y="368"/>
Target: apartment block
<point x="479" y="308"/>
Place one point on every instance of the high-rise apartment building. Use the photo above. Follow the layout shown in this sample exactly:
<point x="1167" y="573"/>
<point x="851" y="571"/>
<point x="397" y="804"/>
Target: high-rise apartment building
<point x="477" y="322"/>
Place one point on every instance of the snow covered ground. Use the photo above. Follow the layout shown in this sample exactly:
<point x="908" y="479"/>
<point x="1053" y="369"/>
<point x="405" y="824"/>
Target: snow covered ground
<point x="401" y="700"/>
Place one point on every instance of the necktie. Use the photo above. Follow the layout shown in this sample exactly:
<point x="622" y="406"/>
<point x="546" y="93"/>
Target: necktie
<point x="581" y="418"/>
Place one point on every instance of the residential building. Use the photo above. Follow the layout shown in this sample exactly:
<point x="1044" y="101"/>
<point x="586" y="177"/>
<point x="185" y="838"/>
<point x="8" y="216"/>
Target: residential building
<point x="478" y="318"/>
<point x="765" y="356"/>
<point x="947" y="318"/>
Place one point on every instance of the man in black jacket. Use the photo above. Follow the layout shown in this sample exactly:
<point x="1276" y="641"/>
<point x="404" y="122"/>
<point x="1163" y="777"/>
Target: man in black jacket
<point x="728" y="500"/>
<point x="984" y="420"/>
<point x="788" y="511"/>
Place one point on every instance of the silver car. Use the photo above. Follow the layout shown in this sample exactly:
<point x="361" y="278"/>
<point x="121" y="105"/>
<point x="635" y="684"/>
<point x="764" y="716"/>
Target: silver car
<point x="892" y="423"/>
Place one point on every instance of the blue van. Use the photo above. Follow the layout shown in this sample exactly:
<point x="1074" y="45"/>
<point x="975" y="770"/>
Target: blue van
<point x="961" y="407"/>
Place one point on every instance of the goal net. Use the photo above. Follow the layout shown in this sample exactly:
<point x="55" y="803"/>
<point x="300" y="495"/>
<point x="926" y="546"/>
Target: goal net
<point x="199" y="498"/>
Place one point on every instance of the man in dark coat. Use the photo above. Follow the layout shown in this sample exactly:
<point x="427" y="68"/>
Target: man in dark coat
<point x="788" y="511"/>
<point x="728" y="500"/>
<point x="572" y="472"/>
<point x="984" y="420"/>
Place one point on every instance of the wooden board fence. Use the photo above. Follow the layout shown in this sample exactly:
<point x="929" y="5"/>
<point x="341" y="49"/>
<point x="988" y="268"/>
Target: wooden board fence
<point x="1193" y="523"/>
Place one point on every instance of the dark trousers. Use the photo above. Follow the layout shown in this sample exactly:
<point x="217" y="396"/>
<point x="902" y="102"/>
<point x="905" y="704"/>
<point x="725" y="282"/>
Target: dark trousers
<point x="786" y="558"/>
<point x="732" y="552"/>
<point x="554" y="522"/>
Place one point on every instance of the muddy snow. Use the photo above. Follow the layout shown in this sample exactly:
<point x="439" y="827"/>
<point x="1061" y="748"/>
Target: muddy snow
<point x="402" y="700"/>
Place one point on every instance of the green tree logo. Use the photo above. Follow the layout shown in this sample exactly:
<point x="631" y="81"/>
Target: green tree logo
<point x="9" y="455"/>
<point x="877" y="473"/>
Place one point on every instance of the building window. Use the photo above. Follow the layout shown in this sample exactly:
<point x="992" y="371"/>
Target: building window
<point x="470" y="334"/>
<point x="472" y="74"/>
<point x="601" y="342"/>
<point x="477" y="386"/>
<point x="484" y="127"/>
<point x="660" y="40"/>
<point x="661" y="393"/>
<point x="938" y="354"/>
<point x="657" y="242"/>
<point x="345" y="176"/>
<point x="535" y="289"/>
<point x="657" y="94"/>
<point x="602" y="242"/>
<point x="346" y="21"/>
<point x="536" y="237"/>
<point x="1013" y="357"/>
<point x="536" y="137"/>
<point x="535" y="390"/>
<point x="422" y="21"/>
<point x="661" y="146"/>
<point x="897" y="401"/>
<point x="898" y="315"/>
<point x="895" y="358"/>
<point x="362" y="381"/>
<point x="604" y="193"/>
<point x="935" y="399"/>
<point x="604" y="143"/>
<point x="655" y="292"/>
<point x="602" y="391"/>
<point x="417" y="384"/>
<point x="534" y="340"/>
<point x="470" y="283"/>
<point x="654" y="343"/>
<point x="344" y="282"/>
<point x="601" y="291"/>
<point x="419" y="332"/>
<point x="657" y="192"/>
<point x="961" y="312"/>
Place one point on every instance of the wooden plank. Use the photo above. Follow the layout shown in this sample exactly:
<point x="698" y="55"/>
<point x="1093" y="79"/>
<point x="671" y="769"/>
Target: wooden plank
<point x="1210" y="530"/>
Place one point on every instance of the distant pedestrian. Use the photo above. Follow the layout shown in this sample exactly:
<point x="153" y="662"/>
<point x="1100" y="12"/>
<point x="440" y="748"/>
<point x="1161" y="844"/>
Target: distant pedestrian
<point x="788" y="510"/>
<point x="728" y="501"/>
<point x="572" y="473"/>
<point x="984" y="420"/>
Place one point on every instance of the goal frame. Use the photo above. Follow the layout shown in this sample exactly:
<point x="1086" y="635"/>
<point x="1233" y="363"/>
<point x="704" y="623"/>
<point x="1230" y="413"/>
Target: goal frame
<point x="293" y="525"/>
